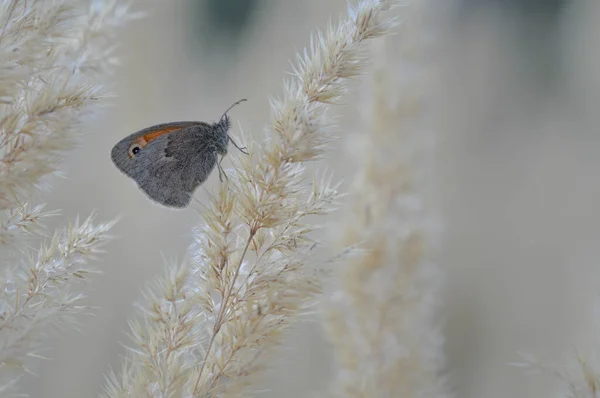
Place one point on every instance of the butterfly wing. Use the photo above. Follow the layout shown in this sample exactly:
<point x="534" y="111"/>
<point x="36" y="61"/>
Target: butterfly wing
<point x="174" y="160"/>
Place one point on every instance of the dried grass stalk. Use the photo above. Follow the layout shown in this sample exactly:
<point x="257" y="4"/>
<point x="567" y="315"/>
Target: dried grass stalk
<point x="53" y="55"/>
<point x="207" y="328"/>
<point x="382" y="321"/>
<point x="577" y="375"/>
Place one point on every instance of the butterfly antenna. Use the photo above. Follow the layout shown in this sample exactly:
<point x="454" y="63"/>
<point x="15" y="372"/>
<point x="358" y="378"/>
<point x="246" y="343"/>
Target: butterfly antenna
<point x="232" y="105"/>
<point x="242" y="149"/>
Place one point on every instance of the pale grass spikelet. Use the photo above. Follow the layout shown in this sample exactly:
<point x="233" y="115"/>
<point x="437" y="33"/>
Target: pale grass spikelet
<point x="53" y="58"/>
<point x="382" y="319"/>
<point x="252" y="273"/>
<point x="164" y="342"/>
<point x="38" y="294"/>
<point x="579" y="377"/>
<point x="50" y="56"/>
<point x="578" y="374"/>
<point x="23" y="220"/>
<point x="584" y="381"/>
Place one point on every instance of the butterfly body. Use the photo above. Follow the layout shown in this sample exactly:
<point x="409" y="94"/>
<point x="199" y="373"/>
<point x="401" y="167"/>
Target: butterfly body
<point x="169" y="161"/>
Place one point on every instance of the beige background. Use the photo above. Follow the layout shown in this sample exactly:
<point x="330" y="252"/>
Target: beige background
<point x="518" y="176"/>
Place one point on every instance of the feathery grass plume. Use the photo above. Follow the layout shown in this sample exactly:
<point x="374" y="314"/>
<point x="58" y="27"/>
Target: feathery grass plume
<point x="23" y="220"/>
<point x="382" y="319"/>
<point x="579" y="378"/>
<point x="38" y="294"/>
<point x="583" y="381"/>
<point x="53" y="57"/>
<point x="208" y="328"/>
<point x="578" y="374"/>
<point x="51" y="54"/>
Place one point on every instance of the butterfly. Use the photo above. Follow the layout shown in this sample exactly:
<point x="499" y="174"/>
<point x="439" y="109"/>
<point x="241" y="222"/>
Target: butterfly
<point x="169" y="161"/>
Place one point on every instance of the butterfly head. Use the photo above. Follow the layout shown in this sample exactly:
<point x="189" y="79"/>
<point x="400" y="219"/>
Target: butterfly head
<point x="222" y="131"/>
<point x="221" y="134"/>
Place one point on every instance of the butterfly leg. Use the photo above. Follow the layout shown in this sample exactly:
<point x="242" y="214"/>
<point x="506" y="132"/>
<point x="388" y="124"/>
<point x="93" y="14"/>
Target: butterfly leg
<point x="242" y="149"/>
<point x="221" y="171"/>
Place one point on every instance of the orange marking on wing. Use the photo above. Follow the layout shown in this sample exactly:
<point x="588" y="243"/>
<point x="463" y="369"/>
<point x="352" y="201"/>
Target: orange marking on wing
<point x="155" y="134"/>
<point x="141" y="142"/>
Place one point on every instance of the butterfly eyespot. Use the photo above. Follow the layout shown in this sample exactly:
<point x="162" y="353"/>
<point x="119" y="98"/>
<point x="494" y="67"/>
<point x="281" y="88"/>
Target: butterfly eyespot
<point x="134" y="149"/>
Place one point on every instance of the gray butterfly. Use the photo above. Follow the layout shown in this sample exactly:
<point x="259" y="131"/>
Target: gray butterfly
<point x="169" y="161"/>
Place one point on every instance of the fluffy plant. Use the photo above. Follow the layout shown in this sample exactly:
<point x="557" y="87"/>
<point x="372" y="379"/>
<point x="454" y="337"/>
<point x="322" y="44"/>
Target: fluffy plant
<point x="579" y="377"/>
<point x="54" y="59"/>
<point x="382" y="319"/>
<point x="578" y="374"/>
<point x="207" y="327"/>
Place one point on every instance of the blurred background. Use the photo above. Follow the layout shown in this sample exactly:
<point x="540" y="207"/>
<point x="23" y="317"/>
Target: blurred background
<point x="515" y="110"/>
